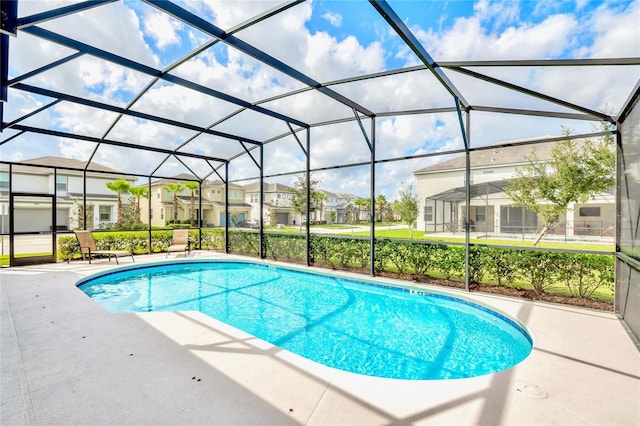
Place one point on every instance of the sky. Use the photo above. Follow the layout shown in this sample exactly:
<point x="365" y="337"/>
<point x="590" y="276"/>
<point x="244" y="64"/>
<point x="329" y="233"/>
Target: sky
<point x="327" y="41"/>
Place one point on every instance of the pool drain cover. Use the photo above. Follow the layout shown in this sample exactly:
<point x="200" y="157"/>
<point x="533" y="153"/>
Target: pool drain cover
<point x="532" y="391"/>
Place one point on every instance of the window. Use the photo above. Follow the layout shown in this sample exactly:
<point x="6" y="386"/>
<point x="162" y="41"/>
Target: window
<point x="236" y="195"/>
<point x="481" y="213"/>
<point x="105" y="213"/>
<point x="4" y="180"/>
<point x="161" y="214"/>
<point x="428" y="213"/>
<point x="61" y="183"/>
<point x="589" y="211"/>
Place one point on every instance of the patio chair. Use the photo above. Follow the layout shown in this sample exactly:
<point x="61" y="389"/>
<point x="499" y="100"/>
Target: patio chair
<point x="87" y="245"/>
<point x="180" y="242"/>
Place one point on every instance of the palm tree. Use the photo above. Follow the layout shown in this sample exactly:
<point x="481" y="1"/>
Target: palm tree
<point x="381" y="202"/>
<point x="193" y="187"/>
<point x="360" y="203"/>
<point x="139" y="192"/>
<point x="175" y="188"/>
<point x="319" y="197"/>
<point x="119" y="186"/>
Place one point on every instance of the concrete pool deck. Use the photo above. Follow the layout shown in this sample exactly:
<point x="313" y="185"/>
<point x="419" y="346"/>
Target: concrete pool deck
<point x="67" y="361"/>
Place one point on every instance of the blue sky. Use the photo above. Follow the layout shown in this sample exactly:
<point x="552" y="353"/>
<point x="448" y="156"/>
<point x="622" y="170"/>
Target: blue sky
<point x="327" y="41"/>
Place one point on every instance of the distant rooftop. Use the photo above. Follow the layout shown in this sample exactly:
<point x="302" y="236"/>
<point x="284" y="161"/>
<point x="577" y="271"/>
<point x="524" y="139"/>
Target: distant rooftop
<point x="497" y="156"/>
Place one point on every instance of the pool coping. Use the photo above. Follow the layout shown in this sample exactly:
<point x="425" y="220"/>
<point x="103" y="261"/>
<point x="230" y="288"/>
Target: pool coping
<point x="246" y="381"/>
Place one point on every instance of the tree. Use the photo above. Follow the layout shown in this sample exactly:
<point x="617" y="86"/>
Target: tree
<point x="139" y="192"/>
<point x="351" y="214"/>
<point x="175" y="188"/>
<point x="272" y="215"/>
<point x="366" y="203"/>
<point x="81" y="212"/>
<point x="389" y="213"/>
<point x="192" y="187"/>
<point x="299" y="195"/>
<point x="360" y="203"/>
<point x="573" y="174"/>
<point x="119" y="186"/>
<point x="318" y="197"/>
<point x="332" y="217"/>
<point x="381" y="202"/>
<point x="407" y="206"/>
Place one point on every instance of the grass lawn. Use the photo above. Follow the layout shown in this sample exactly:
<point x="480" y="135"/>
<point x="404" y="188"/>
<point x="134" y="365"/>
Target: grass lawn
<point x="4" y="259"/>
<point x="403" y="234"/>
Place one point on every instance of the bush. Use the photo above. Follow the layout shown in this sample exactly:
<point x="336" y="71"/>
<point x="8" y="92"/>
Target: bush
<point x="582" y="274"/>
<point x="138" y="241"/>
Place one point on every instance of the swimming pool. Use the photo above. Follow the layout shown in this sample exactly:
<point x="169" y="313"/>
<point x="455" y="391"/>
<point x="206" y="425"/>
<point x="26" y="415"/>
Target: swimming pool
<point x="364" y="327"/>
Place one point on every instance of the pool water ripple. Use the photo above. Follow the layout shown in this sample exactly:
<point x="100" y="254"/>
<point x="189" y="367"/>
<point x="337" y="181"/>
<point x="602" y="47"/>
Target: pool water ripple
<point x="345" y="324"/>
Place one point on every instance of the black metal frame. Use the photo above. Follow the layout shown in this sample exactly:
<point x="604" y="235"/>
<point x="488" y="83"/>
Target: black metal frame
<point x="15" y="25"/>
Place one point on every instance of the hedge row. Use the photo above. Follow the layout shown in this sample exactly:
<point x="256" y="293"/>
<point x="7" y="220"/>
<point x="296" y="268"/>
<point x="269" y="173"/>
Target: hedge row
<point x="582" y="274"/>
<point x="138" y="241"/>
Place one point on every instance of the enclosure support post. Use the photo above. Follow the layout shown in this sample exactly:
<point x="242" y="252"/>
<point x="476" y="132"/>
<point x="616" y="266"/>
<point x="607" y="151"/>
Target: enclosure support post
<point x="467" y="228"/>
<point x="54" y="214"/>
<point x="261" y="251"/>
<point x="464" y="128"/>
<point x="308" y="209"/>
<point x="84" y="199"/>
<point x="149" y="217"/>
<point x="199" y="215"/>
<point x="372" y="206"/>
<point x="226" y="207"/>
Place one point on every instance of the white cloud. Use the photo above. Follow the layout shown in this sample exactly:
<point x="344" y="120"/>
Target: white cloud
<point x="499" y="12"/>
<point x="468" y="39"/>
<point x="495" y="31"/>
<point x="616" y="33"/>
<point x="334" y="19"/>
<point x="162" y="28"/>
<point x="103" y="27"/>
<point x="227" y="15"/>
<point x="78" y="150"/>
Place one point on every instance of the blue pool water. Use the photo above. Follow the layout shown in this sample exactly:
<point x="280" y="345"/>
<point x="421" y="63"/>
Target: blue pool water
<point x="360" y="327"/>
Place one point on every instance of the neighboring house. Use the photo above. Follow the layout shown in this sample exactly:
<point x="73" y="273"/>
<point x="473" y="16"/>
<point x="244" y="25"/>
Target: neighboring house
<point x="33" y="213"/>
<point x="337" y="204"/>
<point x="441" y="196"/>
<point x="213" y="203"/>
<point x="276" y="200"/>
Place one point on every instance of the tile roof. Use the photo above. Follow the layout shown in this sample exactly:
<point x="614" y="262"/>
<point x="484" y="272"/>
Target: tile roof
<point x="68" y="163"/>
<point x="498" y="156"/>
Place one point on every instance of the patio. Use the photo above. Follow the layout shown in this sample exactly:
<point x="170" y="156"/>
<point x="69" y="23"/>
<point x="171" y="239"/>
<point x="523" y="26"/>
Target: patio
<point x="67" y="361"/>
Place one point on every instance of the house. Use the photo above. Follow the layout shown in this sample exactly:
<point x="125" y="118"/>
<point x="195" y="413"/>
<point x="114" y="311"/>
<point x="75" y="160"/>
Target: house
<point x="34" y="187"/>
<point x="337" y="206"/>
<point x="276" y="202"/>
<point x="441" y="194"/>
<point x="213" y="203"/>
<point x="332" y="208"/>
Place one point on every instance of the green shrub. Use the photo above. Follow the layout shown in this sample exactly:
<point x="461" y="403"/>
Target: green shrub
<point x="538" y="269"/>
<point x="291" y="247"/>
<point x="582" y="274"/>
<point x="501" y="265"/>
